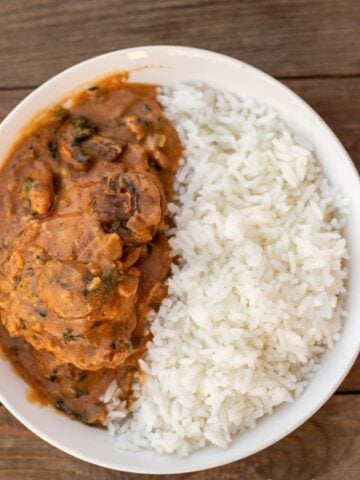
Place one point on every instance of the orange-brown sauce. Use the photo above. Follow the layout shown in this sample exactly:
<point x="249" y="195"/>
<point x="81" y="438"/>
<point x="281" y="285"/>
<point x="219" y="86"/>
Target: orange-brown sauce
<point x="83" y="255"/>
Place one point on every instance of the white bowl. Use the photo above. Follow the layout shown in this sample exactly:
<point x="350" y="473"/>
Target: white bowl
<point x="169" y="65"/>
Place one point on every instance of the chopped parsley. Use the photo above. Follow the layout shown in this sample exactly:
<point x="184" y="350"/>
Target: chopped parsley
<point x="81" y="393"/>
<point x="53" y="149"/>
<point x="60" y="113"/>
<point x="28" y="184"/>
<point x="76" y="142"/>
<point x="41" y="312"/>
<point x="69" y="336"/>
<point x="111" y="277"/>
<point x="81" y="127"/>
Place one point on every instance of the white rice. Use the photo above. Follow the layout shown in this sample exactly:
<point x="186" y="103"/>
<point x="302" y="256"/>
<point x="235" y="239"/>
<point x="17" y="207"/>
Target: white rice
<point x="257" y="296"/>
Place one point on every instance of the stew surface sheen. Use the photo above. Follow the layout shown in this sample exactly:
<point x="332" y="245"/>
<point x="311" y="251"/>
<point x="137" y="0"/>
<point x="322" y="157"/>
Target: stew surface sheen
<point x="83" y="255"/>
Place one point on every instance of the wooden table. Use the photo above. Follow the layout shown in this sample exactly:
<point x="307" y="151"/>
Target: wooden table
<point x="313" y="47"/>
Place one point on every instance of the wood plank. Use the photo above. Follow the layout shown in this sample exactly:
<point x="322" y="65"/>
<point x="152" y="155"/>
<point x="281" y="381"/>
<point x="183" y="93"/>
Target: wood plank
<point x="352" y="381"/>
<point x="325" y="448"/>
<point x="285" y="38"/>
<point x="338" y="102"/>
<point x="9" y="99"/>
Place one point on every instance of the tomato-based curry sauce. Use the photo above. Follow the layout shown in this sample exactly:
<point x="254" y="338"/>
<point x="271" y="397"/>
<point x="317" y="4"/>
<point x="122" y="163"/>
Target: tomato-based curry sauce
<point x="83" y="254"/>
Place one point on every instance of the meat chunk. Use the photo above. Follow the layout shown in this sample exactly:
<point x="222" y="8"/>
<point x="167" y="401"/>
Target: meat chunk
<point x="101" y="148"/>
<point x="132" y="207"/>
<point x="37" y="195"/>
<point x="79" y="145"/>
<point x="61" y="287"/>
<point x="70" y="137"/>
<point x="83" y="318"/>
<point x="81" y="127"/>
<point x="129" y="284"/>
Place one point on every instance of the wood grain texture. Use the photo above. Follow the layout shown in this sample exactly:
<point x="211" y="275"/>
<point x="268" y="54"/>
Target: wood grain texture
<point x="285" y="38"/>
<point x="325" y="448"/>
<point x="338" y="102"/>
<point x="352" y="380"/>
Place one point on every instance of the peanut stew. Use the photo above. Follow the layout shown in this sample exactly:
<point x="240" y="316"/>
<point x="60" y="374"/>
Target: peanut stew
<point x="83" y="254"/>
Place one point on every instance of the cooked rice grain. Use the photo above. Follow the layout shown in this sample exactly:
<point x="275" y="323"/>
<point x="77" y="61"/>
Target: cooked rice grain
<point x="257" y="295"/>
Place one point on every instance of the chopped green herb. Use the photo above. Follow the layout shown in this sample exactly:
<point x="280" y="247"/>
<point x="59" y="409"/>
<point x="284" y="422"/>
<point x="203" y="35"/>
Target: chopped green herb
<point x="111" y="277"/>
<point x="41" y="312"/>
<point x="28" y="184"/>
<point x="69" y="336"/>
<point x="120" y="123"/>
<point x="121" y="344"/>
<point x="147" y="107"/>
<point x="81" y="127"/>
<point x="81" y="121"/>
<point x="93" y="88"/>
<point x="53" y="148"/>
<point x="60" y="113"/>
<point x="81" y="393"/>
<point x="104" y="179"/>
<point x="76" y="142"/>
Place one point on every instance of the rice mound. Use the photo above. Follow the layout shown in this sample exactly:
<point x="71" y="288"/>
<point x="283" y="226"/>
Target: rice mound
<point x="256" y="294"/>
